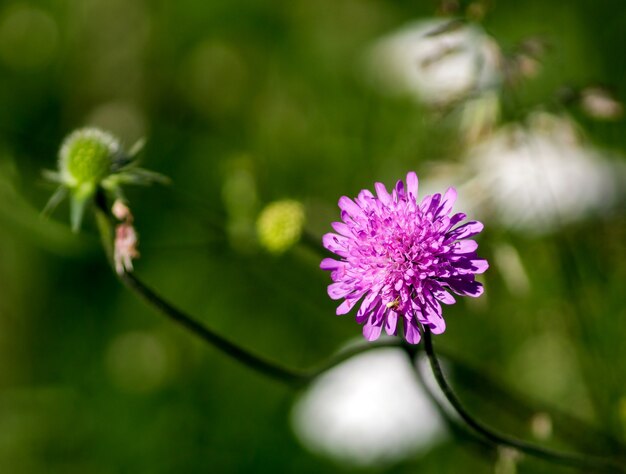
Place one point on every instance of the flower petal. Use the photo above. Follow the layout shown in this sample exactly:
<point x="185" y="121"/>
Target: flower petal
<point x="347" y="305"/>
<point x="412" y="185"/>
<point x="372" y="332"/>
<point x="349" y="206"/>
<point x="468" y="229"/>
<point x="464" y="246"/>
<point x="330" y="264"/>
<point x="369" y="303"/>
<point x="447" y="202"/>
<point x="443" y="296"/>
<point x="383" y="195"/>
<point x="465" y="287"/>
<point x="411" y="331"/>
<point x="336" y="244"/>
<point x="342" y="229"/>
<point x="480" y="265"/>
<point x="391" y="322"/>
<point x="338" y="290"/>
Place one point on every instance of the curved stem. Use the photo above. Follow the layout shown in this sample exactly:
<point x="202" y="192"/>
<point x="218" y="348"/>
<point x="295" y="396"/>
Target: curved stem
<point x="568" y="459"/>
<point x="575" y="431"/>
<point x="271" y="369"/>
<point x="454" y="425"/>
<point x="287" y="375"/>
<point x="297" y="377"/>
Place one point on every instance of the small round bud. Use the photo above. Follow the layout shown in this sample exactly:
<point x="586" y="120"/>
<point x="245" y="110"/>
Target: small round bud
<point x="87" y="156"/>
<point x="121" y="211"/>
<point x="280" y="224"/>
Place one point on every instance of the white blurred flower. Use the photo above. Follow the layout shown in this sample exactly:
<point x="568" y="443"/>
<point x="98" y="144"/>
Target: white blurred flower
<point x="368" y="411"/>
<point x="598" y="103"/>
<point x="436" y="61"/>
<point x="540" y="176"/>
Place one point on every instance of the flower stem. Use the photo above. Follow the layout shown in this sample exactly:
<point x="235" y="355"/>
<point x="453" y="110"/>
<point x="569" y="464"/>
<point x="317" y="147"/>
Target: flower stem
<point x="568" y="459"/>
<point x="271" y="369"/>
<point x="289" y="376"/>
<point x="247" y="358"/>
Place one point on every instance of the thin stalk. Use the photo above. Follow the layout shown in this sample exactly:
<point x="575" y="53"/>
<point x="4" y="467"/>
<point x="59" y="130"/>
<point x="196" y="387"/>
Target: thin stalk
<point x="456" y="427"/>
<point x="575" y="460"/>
<point x="289" y="376"/>
<point x="257" y="363"/>
<point x="273" y="370"/>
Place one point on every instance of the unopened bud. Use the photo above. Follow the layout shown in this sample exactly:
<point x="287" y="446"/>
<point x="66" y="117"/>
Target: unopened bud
<point x="280" y="224"/>
<point x="87" y="156"/>
<point x="121" y="211"/>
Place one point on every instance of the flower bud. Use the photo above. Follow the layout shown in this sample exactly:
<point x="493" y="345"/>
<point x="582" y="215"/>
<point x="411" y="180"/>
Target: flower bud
<point x="280" y="224"/>
<point x="92" y="160"/>
<point x="87" y="156"/>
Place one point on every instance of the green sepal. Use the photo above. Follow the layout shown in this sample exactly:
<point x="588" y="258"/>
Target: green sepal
<point x="55" y="200"/>
<point x="78" y="202"/>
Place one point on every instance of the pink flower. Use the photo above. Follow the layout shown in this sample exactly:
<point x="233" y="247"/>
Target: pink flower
<point x="403" y="258"/>
<point x="126" y="240"/>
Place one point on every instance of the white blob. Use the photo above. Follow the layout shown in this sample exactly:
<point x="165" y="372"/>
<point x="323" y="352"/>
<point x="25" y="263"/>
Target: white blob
<point x="368" y="411"/>
<point x="540" y="176"/>
<point x="435" y="67"/>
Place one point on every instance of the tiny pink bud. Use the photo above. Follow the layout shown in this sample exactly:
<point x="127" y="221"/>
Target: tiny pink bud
<point x="125" y="249"/>
<point x="121" y="211"/>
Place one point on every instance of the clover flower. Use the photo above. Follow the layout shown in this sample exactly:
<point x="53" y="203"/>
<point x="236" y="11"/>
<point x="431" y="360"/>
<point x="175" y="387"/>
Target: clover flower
<point x="403" y="257"/>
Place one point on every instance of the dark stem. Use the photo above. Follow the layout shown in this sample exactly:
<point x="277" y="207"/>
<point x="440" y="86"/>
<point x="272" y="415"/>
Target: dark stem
<point x="286" y="375"/>
<point x="271" y="369"/>
<point x="456" y="427"/>
<point x="256" y="363"/>
<point x="567" y="459"/>
<point x="289" y="376"/>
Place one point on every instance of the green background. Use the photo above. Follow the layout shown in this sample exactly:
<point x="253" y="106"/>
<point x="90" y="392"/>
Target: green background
<point x="244" y="102"/>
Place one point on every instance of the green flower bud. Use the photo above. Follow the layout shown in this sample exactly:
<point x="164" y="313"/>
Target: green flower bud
<point x="87" y="156"/>
<point x="280" y="224"/>
<point x="91" y="159"/>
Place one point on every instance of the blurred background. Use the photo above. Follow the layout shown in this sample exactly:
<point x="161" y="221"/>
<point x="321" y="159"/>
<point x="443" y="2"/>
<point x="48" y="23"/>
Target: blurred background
<point x="244" y="102"/>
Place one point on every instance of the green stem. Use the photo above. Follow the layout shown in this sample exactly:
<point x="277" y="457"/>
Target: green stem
<point x="567" y="459"/>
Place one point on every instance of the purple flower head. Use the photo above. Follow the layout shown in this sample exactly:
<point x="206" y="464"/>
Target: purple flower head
<point x="403" y="257"/>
